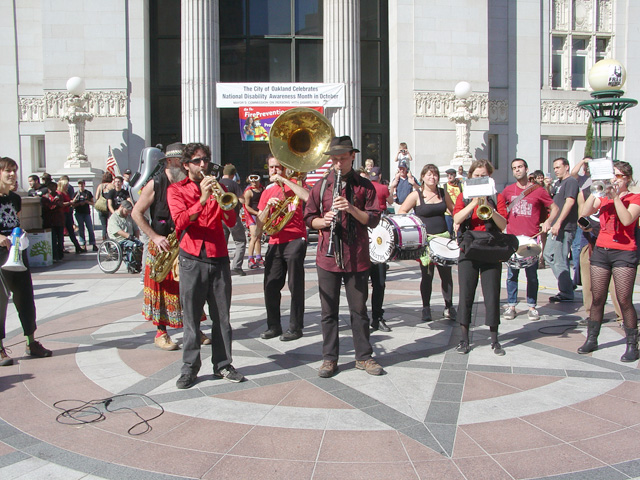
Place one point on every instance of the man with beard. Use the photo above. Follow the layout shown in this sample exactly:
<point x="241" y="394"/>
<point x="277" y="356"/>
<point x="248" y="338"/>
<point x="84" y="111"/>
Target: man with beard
<point x="161" y="300"/>
<point x="526" y="203"/>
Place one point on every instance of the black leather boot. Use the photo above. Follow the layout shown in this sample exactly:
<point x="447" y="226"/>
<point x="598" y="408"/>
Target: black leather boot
<point x="632" y="354"/>
<point x="591" y="345"/>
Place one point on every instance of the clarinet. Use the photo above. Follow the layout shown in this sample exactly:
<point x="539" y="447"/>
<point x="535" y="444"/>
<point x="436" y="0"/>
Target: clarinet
<point x="336" y="193"/>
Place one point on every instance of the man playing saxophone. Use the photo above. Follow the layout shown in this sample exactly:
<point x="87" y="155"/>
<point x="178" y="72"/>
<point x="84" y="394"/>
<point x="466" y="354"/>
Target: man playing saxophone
<point x="286" y="252"/>
<point x="353" y="205"/>
<point x="205" y="275"/>
<point x="161" y="303"/>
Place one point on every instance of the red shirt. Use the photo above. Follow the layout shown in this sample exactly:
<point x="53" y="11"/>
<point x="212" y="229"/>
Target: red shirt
<point x="382" y="193"/>
<point x="524" y="217"/>
<point x="476" y="223"/>
<point x="355" y="251"/>
<point x="612" y="233"/>
<point x="184" y="200"/>
<point x="295" y="228"/>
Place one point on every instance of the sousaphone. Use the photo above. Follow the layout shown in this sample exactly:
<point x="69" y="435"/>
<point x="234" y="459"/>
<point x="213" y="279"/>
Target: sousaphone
<point x="298" y="139"/>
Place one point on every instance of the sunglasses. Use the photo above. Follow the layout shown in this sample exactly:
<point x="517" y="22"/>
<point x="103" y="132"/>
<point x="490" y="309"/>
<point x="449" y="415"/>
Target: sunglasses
<point x="619" y="175"/>
<point x="254" y="178"/>
<point x="199" y="160"/>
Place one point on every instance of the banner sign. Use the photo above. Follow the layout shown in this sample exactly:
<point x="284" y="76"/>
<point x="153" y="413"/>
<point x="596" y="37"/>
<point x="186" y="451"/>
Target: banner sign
<point x="235" y="95"/>
<point x="255" y="122"/>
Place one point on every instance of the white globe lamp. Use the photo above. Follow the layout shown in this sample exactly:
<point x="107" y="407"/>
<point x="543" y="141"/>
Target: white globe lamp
<point x="75" y="86"/>
<point x="463" y="90"/>
<point x="607" y="74"/>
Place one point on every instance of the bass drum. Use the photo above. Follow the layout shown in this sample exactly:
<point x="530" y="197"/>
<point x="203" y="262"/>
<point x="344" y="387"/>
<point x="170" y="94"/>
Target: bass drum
<point x="397" y="237"/>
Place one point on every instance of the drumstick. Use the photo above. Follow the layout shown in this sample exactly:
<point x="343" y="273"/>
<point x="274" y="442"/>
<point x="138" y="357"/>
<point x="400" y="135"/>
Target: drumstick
<point x="537" y="234"/>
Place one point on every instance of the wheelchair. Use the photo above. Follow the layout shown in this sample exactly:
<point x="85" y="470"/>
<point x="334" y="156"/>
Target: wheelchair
<point x="111" y="255"/>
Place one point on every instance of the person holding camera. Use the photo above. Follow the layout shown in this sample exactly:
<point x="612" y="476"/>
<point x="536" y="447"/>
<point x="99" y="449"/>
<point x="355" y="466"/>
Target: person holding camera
<point x="614" y="254"/>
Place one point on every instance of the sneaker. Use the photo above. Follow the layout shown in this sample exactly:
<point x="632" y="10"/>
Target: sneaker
<point x="426" y="314"/>
<point x="186" y="380"/>
<point x="239" y="271"/>
<point x="533" y="314"/>
<point x="229" y="373"/>
<point x="35" y="349"/>
<point x="380" y="324"/>
<point x="509" y="313"/>
<point x="260" y="261"/>
<point x="497" y="349"/>
<point x="328" y="368"/>
<point x="252" y="264"/>
<point x="204" y="340"/>
<point x="370" y="366"/>
<point x="164" y="342"/>
<point x="95" y="248"/>
<point x="5" y="359"/>
<point x="290" y="335"/>
<point x="450" y="313"/>
<point x="463" y="348"/>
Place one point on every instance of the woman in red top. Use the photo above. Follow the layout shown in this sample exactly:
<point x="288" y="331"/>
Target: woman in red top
<point x="468" y="270"/>
<point x="63" y="191"/>
<point x="614" y="254"/>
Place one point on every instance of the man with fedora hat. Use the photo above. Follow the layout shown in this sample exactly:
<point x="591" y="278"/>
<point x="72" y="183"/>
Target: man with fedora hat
<point x="161" y="303"/>
<point x="341" y="212"/>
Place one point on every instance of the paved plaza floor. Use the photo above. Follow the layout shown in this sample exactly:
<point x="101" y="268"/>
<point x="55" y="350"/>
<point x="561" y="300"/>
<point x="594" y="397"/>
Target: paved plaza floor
<point x="540" y="411"/>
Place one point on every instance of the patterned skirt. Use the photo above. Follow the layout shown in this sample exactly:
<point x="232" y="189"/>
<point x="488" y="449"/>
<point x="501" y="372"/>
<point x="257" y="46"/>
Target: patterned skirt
<point x="161" y="300"/>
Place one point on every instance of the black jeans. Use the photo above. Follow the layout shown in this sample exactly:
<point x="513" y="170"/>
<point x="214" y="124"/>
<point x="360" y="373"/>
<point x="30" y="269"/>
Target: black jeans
<point x="378" y="275"/>
<point x="490" y="273"/>
<point x="426" y="284"/>
<point x="20" y="285"/>
<point x="284" y="259"/>
<point x="356" y="287"/>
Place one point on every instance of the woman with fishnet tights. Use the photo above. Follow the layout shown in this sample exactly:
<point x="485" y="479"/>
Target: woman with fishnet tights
<point x="614" y="254"/>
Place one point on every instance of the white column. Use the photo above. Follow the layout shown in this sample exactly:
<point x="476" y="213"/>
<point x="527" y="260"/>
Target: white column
<point x="341" y="50"/>
<point x="200" y="71"/>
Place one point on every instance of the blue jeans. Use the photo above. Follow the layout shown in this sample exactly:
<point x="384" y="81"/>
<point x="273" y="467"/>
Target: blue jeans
<point x="84" y="220"/>
<point x="556" y="255"/>
<point x="532" y="285"/>
<point x="576" y="246"/>
<point x="129" y="246"/>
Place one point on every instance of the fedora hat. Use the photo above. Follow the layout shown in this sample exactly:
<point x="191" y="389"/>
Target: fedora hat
<point x="340" y="145"/>
<point x="175" y="150"/>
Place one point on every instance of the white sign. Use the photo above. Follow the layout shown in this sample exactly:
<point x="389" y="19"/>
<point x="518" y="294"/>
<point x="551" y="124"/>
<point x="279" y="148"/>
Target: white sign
<point x="479" y="187"/>
<point x="235" y="95"/>
<point x="601" y="169"/>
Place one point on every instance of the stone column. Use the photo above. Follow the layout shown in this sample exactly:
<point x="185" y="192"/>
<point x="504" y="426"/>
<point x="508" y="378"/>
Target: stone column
<point x="200" y="71"/>
<point x="341" y="50"/>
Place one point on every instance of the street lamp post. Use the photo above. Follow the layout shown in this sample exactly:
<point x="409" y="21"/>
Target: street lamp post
<point x="606" y="78"/>
<point x="462" y="118"/>
<point x="76" y="116"/>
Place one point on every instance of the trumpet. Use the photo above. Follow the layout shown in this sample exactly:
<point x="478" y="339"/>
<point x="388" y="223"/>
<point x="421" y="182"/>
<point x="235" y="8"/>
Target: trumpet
<point x="226" y="200"/>
<point x="484" y="211"/>
<point x="601" y="188"/>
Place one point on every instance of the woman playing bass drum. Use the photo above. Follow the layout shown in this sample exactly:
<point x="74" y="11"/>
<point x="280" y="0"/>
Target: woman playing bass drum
<point x="614" y="254"/>
<point x="430" y="203"/>
<point x="465" y="216"/>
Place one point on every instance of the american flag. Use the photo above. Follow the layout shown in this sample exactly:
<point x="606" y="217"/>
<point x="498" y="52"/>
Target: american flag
<point x="112" y="165"/>
<point x="317" y="174"/>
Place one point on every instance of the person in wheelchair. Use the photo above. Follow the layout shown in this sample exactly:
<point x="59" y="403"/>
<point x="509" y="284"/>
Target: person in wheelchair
<point x="122" y="229"/>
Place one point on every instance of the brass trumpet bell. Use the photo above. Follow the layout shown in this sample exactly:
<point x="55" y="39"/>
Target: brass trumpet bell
<point x="299" y="137"/>
<point x="484" y="211"/>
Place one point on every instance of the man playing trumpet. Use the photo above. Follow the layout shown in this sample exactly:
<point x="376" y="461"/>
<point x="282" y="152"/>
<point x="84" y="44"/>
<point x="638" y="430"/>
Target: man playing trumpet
<point x="205" y="275"/>
<point x="161" y="303"/>
<point x="285" y="255"/>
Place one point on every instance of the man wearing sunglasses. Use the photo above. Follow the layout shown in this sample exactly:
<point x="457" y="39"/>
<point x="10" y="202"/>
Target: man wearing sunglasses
<point x="285" y="255"/>
<point x="205" y="275"/>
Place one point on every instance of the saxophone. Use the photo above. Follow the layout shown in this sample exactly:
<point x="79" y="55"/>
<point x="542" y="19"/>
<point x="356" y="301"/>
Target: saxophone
<point x="163" y="261"/>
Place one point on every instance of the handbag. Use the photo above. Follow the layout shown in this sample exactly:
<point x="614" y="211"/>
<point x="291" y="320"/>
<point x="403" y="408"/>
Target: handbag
<point x="101" y="205"/>
<point x="488" y="247"/>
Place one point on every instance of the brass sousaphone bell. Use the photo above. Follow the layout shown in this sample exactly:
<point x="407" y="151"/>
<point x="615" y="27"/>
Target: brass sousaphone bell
<point x="298" y="139"/>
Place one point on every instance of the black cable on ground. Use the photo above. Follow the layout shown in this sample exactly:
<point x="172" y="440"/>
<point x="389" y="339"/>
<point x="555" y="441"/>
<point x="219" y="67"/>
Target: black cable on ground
<point x="89" y="412"/>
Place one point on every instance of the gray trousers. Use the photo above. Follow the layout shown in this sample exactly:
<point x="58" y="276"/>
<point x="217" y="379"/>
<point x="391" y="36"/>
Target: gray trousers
<point x="239" y="239"/>
<point x="202" y="282"/>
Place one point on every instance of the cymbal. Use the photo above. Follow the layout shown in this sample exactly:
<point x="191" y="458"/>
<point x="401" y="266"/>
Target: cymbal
<point x="529" y="250"/>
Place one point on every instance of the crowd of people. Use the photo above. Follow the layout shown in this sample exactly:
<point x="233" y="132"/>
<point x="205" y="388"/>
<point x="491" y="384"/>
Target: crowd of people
<point x="187" y="230"/>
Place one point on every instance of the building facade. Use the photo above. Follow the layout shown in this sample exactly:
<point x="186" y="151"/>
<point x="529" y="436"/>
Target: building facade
<point x="151" y="68"/>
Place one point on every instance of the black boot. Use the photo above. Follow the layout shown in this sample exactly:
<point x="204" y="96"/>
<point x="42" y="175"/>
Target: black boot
<point x="632" y="354"/>
<point x="591" y="345"/>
